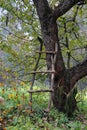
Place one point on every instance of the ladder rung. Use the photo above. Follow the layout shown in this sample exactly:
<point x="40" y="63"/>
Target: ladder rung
<point x="47" y="52"/>
<point x="37" y="91"/>
<point x="42" y="72"/>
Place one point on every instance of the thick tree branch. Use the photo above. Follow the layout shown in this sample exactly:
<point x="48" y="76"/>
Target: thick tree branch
<point x="64" y="6"/>
<point x="43" y="9"/>
<point x="49" y="33"/>
<point x="77" y="72"/>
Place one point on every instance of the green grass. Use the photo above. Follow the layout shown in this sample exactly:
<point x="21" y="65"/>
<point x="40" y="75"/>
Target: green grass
<point x="16" y="114"/>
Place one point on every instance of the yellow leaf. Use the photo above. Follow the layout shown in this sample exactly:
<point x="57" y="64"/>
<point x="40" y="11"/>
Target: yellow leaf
<point x="22" y="83"/>
<point x="1" y="84"/>
<point x="4" y="76"/>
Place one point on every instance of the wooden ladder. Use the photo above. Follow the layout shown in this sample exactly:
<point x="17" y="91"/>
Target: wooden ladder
<point x="52" y="71"/>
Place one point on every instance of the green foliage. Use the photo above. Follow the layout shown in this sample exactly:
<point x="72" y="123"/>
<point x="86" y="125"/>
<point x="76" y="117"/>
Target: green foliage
<point x="23" y="28"/>
<point x="72" y="35"/>
<point x="17" y="115"/>
<point x="20" y="43"/>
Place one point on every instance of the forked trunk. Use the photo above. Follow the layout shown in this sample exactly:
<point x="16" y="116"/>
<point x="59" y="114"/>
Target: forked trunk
<point x="64" y="80"/>
<point x="64" y="93"/>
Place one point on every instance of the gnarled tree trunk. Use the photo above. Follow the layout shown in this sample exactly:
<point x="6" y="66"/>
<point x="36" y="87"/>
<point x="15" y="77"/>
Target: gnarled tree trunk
<point x="64" y="93"/>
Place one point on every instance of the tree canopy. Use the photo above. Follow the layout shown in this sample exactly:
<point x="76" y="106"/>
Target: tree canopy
<point x="20" y="28"/>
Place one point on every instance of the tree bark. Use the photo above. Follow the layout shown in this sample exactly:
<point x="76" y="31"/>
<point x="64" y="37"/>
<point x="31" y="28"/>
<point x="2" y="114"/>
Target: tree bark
<point x="64" y="93"/>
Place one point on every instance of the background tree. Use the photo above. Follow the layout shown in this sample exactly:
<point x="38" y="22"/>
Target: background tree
<point x="18" y="41"/>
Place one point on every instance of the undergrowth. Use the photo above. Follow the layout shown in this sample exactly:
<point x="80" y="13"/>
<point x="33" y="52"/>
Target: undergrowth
<point x="16" y="113"/>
